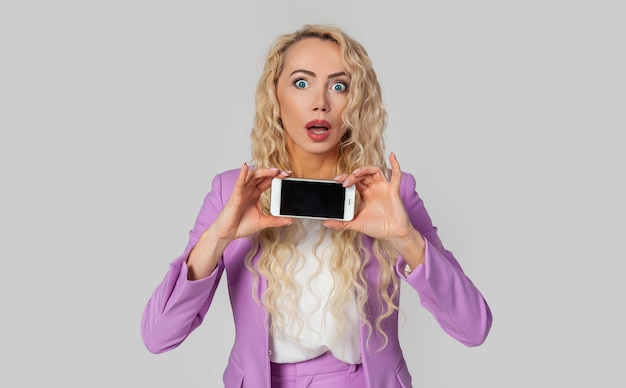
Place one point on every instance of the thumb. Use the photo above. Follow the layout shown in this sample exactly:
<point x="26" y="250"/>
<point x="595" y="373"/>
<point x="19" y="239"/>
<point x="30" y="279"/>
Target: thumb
<point x="276" y="222"/>
<point x="336" y="225"/>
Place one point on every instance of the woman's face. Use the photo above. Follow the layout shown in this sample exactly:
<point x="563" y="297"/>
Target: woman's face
<point x="312" y="93"/>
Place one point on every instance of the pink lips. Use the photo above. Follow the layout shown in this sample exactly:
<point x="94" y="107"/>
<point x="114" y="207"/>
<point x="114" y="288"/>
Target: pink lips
<point x="318" y="130"/>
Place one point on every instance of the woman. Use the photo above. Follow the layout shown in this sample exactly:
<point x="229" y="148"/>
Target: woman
<point x="315" y="303"/>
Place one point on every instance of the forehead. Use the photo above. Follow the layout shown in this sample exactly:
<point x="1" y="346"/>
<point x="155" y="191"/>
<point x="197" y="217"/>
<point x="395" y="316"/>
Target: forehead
<point x="314" y="53"/>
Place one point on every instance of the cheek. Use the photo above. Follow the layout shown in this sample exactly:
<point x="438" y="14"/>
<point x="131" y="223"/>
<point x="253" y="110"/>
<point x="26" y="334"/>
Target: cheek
<point x="339" y="111"/>
<point x="286" y="110"/>
<point x="340" y="102"/>
<point x="285" y="104"/>
<point x="283" y="100"/>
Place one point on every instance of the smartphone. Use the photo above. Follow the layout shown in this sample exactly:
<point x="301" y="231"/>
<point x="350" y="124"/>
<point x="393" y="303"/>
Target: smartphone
<point x="312" y="198"/>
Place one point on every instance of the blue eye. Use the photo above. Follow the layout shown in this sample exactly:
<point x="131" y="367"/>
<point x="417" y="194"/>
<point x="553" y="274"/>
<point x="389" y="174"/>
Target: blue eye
<point x="339" y="87"/>
<point x="301" y="84"/>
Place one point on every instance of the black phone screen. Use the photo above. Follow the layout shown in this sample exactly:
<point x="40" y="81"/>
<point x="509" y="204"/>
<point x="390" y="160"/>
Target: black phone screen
<point x="312" y="199"/>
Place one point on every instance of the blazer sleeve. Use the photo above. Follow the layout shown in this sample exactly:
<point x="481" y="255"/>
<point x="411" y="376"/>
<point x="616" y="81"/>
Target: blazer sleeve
<point x="177" y="305"/>
<point x="444" y="290"/>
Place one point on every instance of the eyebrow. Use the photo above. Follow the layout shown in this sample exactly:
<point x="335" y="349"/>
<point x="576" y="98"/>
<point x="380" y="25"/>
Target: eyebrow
<point x="312" y="74"/>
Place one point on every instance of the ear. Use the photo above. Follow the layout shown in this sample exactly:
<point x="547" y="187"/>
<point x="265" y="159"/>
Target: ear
<point x="276" y="111"/>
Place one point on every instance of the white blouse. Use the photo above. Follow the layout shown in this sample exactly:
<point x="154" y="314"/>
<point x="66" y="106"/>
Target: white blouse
<point x="319" y="334"/>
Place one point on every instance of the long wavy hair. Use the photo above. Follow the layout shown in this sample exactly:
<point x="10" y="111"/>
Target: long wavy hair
<point x="363" y="144"/>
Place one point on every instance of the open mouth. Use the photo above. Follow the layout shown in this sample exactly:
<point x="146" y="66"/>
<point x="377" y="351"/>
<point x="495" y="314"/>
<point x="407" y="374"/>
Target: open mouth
<point x="318" y="129"/>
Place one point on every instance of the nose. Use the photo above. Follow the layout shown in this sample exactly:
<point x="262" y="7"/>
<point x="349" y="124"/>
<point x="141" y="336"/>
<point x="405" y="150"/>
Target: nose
<point x="320" y="102"/>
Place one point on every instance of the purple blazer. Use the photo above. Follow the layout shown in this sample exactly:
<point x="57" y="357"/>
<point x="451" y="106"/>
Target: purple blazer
<point x="178" y="305"/>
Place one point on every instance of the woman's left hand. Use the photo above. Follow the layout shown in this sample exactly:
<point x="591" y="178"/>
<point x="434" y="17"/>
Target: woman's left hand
<point x="381" y="214"/>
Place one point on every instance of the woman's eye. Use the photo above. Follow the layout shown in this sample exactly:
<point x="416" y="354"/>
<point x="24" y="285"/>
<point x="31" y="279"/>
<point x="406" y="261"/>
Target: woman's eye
<point x="301" y="84"/>
<point x="339" y="87"/>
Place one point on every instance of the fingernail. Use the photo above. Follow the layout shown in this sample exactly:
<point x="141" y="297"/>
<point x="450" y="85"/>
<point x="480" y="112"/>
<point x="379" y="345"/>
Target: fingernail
<point x="346" y="183"/>
<point x="273" y="169"/>
<point x="356" y="171"/>
<point x="337" y="177"/>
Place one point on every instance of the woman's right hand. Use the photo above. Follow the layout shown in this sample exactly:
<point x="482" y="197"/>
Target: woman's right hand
<point x="241" y="217"/>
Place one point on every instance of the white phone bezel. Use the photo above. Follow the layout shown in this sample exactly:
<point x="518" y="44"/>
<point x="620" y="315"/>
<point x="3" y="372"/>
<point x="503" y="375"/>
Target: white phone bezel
<point x="348" y="205"/>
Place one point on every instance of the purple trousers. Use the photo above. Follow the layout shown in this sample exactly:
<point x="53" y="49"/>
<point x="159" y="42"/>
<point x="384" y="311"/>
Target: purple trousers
<point x="324" y="371"/>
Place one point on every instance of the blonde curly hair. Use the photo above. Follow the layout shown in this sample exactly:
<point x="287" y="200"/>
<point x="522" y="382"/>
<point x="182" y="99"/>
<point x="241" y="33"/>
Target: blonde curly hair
<point x="363" y="145"/>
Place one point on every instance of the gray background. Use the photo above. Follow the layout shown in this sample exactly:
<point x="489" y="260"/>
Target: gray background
<point x="115" y="115"/>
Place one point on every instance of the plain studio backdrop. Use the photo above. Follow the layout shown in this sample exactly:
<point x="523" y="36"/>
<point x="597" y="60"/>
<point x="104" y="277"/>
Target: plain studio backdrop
<point x="115" y="115"/>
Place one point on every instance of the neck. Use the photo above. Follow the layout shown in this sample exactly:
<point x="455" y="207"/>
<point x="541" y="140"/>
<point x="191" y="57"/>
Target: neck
<point x="314" y="166"/>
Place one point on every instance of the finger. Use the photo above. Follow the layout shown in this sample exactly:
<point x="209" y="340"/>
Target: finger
<point x="261" y="173"/>
<point x="366" y="171"/>
<point x="341" y="177"/>
<point x="396" y="172"/>
<point x="276" y="222"/>
<point x="367" y="175"/>
<point x="336" y="225"/>
<point x="243" y="175"/>
<point x="262" y="178"/>
<point x="281" y="173"/>
<point x="360" y="186"/>
<point x="264" y="184"/>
